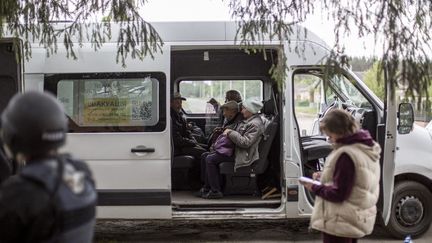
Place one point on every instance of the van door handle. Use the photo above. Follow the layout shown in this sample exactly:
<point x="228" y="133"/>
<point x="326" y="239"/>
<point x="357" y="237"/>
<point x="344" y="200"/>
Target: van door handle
<point x="142" y="149"/>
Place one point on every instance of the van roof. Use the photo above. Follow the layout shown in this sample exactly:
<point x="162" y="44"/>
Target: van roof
<point x="187" y="31"/>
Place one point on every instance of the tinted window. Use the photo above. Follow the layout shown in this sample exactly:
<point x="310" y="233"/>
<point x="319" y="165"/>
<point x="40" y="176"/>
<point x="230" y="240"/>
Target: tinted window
<point x="129" y="102"/>
<point x="199" y="92"/>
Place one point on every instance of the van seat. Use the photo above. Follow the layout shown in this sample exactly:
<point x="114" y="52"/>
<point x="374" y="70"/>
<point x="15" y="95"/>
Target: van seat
<point x="183" y="161"/>
<point x="244" y="181"/>
<point x="180" y="172"/>
<point x="315" y="147"/>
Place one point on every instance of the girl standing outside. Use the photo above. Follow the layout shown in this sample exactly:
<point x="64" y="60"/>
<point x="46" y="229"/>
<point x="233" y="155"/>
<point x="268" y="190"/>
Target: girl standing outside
<point x="345" y="202"/>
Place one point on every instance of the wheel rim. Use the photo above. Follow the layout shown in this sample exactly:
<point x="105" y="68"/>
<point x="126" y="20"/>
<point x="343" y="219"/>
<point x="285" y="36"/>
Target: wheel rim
<point x="409" y="211"/>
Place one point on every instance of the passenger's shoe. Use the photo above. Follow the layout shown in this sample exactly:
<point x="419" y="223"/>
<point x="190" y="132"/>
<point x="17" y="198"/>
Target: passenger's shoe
<point x="213" y="195"/>
<point x="202" y="192"/>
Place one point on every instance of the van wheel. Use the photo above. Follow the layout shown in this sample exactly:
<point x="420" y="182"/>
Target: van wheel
<point x="411" y="212"/>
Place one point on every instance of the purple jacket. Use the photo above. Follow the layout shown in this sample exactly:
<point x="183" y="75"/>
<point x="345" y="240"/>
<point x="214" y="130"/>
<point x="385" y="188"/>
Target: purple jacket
<point x="344" y="174"/>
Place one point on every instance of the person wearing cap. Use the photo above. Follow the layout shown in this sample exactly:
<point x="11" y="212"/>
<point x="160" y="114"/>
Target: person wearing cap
<point x="246" y="137"/>
<point x="233" y="116"/>
<point x="184" y="142"/>
<point x="231" y="95"/>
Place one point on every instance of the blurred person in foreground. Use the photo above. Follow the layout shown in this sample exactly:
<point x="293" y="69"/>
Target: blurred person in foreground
<point x="53" y="197"/>
<point x="6" y="165"/>
<point x="345" y="202"/>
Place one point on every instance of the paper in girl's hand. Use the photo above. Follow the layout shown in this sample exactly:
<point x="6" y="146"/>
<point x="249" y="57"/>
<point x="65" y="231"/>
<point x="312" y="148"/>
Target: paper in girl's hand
<point x="309" y="180"/>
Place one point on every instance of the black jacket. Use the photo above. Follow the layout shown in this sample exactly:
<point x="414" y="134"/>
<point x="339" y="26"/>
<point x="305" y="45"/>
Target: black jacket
<point x="182" y="136"/>
<point x="27" y="210"/>
<point x="6" y="166"/>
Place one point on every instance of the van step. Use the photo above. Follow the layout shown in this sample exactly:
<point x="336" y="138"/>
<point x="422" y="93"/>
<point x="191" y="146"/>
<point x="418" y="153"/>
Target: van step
<point x="186" y="199"/>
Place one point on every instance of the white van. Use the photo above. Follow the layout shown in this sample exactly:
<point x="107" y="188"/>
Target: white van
<point x="119" y="122"/>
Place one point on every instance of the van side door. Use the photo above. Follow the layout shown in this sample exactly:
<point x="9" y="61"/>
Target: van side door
<point x="118" y="123"/>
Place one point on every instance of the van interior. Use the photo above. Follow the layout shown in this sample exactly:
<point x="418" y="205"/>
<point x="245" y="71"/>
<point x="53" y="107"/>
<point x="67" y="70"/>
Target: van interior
<point x="201" y="74"/>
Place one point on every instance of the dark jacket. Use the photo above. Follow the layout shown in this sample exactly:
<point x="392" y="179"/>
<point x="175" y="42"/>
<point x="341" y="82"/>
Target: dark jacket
<point x="231" y="124"/>
<point x="6" y="166"/>
<point x="182" y="136"/>
<point x="35" y="206"/>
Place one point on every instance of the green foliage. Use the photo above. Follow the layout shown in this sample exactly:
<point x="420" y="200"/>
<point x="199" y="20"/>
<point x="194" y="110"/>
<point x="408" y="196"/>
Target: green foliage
<point x="405" y="25"/>
<point x="374" y="79"/>
<point x="303" y="103"/>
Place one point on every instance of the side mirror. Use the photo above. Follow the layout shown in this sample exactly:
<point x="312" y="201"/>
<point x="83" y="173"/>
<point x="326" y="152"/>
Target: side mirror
<point x="405" y="118"/>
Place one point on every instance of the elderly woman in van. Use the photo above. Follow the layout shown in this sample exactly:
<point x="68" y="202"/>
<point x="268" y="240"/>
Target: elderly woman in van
<point x="246" y="138"/>
<point x="345" y="204"/>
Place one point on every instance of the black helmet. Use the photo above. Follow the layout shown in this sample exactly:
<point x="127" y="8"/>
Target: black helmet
<point x="33" y="124"/>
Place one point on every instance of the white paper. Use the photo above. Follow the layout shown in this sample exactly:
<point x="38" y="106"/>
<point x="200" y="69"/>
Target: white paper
<point x="307" y="179"/>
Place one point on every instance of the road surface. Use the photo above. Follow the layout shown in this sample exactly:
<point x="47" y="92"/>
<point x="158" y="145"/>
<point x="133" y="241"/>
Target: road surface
<point x="222" y="231"/>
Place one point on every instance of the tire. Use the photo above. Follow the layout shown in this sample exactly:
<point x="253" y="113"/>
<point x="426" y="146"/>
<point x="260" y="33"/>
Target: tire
<point x="411" y="211"/>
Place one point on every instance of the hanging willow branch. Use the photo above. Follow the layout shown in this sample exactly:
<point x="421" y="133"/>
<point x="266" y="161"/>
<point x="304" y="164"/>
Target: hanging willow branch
<point x="69" y="21"/>
<point x="403" y="25"/>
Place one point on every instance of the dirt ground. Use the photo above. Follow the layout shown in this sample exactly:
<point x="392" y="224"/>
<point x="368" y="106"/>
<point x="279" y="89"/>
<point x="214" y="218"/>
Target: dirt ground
<point x="210" y="231"/>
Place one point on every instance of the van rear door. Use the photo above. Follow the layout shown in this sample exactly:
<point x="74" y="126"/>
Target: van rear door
<point x="10" y="84"/>
<point x="10" y="71"/>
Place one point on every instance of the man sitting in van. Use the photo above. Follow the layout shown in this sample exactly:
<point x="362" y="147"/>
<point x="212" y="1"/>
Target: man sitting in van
<point x="184" y="142"/>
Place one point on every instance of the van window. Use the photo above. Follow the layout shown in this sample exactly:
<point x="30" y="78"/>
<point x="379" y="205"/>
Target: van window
<point x="314" y="95"/>
<point x="114" y="103"/>
<point x="311" y="97"/>
<point x="352" y="95"/>
<point x="199" y="92"/>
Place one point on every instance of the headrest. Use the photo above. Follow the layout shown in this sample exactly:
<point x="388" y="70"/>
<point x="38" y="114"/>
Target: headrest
<point x="269" y="107"/>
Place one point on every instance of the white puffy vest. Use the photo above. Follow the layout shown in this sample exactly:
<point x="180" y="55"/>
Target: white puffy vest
<point x="354" y="217"/>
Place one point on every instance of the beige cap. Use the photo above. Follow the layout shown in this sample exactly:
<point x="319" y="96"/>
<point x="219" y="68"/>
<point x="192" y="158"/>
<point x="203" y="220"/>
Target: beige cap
<point x="232" y="105"/>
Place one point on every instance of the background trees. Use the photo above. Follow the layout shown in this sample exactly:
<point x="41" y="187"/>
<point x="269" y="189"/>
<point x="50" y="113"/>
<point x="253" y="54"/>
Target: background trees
<point x="400" y="27"/>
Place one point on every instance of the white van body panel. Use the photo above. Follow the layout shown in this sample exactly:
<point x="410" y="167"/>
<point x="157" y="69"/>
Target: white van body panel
<point x="133" y="212"/>
<point x="414" y="153"/>
<point x="109" y="155"/>
<point x="90" y="61"/>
